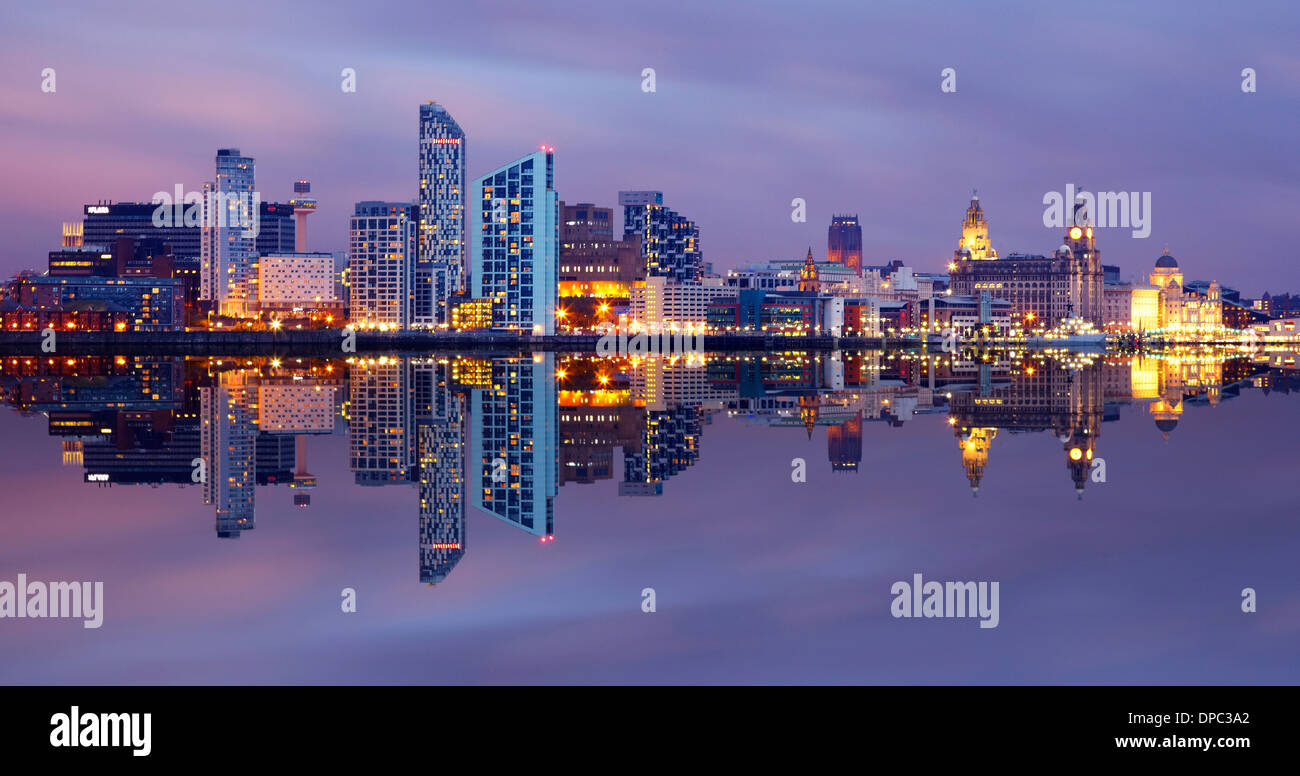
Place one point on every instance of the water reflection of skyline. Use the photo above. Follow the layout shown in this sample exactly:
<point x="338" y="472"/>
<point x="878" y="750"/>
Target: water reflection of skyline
<point x="500" y="436"/>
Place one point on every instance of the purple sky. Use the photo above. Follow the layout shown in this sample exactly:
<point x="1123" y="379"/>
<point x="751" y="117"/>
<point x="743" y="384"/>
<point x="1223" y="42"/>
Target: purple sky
<point x="838" y="103"/>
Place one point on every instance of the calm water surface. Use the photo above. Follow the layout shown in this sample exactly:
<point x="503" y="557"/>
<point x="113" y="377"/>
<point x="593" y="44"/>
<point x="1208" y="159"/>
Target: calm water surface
<point x="499" y="519"/>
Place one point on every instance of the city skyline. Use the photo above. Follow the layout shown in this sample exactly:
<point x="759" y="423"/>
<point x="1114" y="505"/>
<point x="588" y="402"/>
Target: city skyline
<point x="414" y="344"/>
<point x="1225" y="206"/>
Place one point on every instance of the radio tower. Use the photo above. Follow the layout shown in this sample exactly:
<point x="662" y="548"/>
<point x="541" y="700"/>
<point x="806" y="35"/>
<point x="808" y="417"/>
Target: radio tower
<point x="303" y="205"/>
<point x="302" y="479"/>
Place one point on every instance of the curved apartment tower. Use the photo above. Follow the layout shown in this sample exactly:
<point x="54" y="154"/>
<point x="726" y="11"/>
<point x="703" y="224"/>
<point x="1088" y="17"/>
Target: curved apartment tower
<point x="440" y="262"/>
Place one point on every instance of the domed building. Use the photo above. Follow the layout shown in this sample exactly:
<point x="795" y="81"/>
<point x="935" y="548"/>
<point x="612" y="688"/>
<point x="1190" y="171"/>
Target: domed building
<point x="1164" y="303"/>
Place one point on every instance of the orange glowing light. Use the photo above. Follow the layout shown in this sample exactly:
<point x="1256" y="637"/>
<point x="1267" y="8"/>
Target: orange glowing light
<point x="1075" y="454"/>
<point x="1075" y="233"/>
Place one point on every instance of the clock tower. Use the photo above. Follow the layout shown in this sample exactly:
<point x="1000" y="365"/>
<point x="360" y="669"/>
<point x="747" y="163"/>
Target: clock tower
<point x="974" y="242"/>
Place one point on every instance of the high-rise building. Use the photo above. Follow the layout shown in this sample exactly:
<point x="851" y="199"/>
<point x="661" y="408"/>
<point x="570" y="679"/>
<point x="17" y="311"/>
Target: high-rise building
<point x="513" y="453"/>
<point x="383" y="238"/>
<point x="104" y="222"/>
<point x="229" y="251"/>
<point x="440" y="417"/>
<point x="440" y="268"/>
<point x="276" y="229"/>
<point x="380" y="431"/>
<point x="670" y="243"/>
<point x="228" y="437"/>
<point x="515" y="242"/>
<point x="670" y="444"/>
<point x="844" y="242"/>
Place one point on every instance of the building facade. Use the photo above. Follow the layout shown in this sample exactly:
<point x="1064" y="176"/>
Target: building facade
<point x="441" y="446"/>
<point x="659" y="303"/>
<point x="34" y="302"/>
<point x="228" y="248"/>
<point x="103" y="223"/>
<point x="383" y="237"/>
<point x="277" y="229"/>
<point x="228" y="438"/>
<point x="298" y="285"/>
<point x="844" y="242"/>
<point x="381" y="436"/>
<point x="1043" y="290"/>
<point x="515" y="243"/>
<point x="968" y="316"/>
<point x="592" y="262"/>
<point x="440" y="268"/>
<point x="512" y="461"/>
<point x="670" y="243"/>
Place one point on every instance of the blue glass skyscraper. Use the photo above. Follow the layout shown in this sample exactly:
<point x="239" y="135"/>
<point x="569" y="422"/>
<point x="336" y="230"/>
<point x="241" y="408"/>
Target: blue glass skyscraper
<point x="515" y="242"/>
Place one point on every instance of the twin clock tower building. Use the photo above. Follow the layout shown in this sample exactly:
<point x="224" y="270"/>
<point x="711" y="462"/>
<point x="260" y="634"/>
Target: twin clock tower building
<point x="1043" y="290"/>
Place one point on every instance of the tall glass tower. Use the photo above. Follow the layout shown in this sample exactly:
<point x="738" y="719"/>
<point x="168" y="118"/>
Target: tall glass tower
<point x="440" y="264"/>
<point x="512" y="464"/>
<point x="228" y="438"/>
<point x="515" y="242"/>
<point x="228" y="247"/>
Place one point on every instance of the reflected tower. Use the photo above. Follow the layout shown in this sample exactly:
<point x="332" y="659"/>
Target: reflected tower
<point x="844" y="444"/>
<point x="442" y="496"/>
<point x="228" y="438"/>
<point x="440" y="419"/>
<point x="975" y="444"/>
<point x="513" y="452"/>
